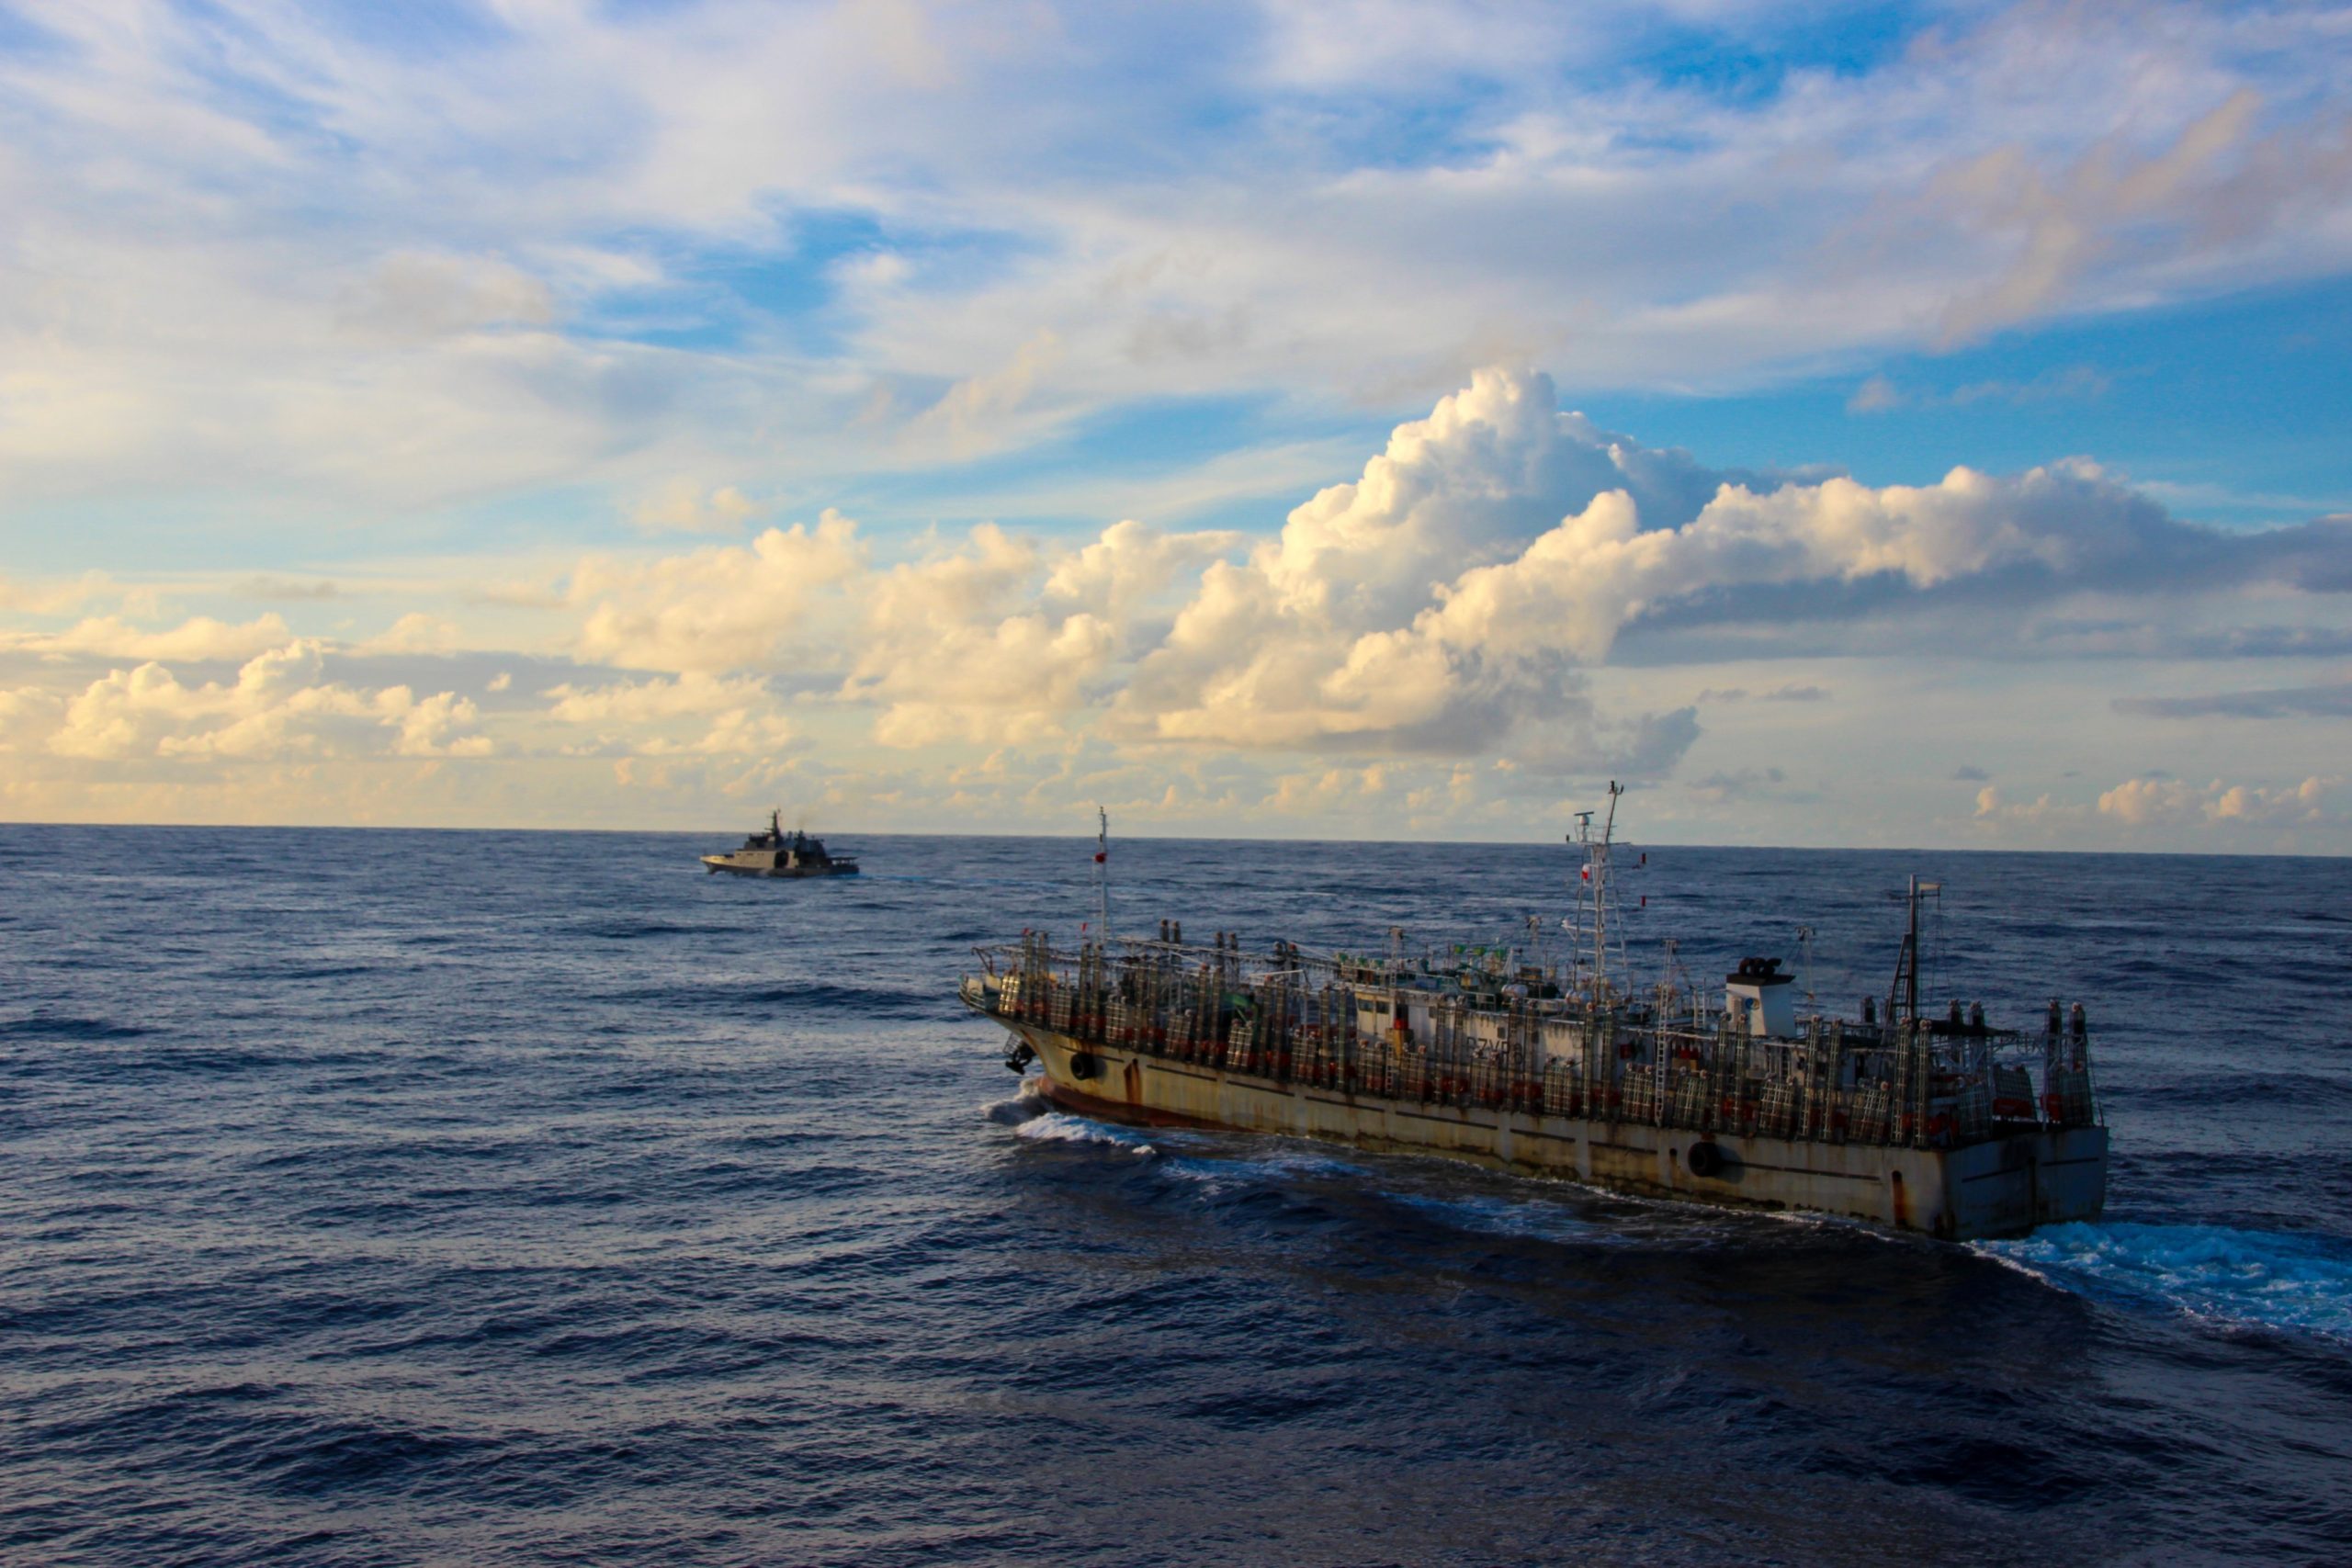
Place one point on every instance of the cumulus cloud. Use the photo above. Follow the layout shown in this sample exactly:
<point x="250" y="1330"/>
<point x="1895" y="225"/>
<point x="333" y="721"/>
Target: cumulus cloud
<point x="1499" y="546"/>
<point x="721" y="608"/>
<point x="953" y="649"/>
<point x="279" y="707"/>
<point x="1994" y="809"/>
<point x="995" y="637"/>
<point x="2163" y="802"/>
<point x="1451" y="599"/>
<point x="1429" y="642"/>
<point x="733" y="717"/>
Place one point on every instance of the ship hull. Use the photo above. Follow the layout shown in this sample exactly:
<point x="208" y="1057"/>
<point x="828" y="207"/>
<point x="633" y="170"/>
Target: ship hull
<point x="2003" y="1187"/>
<point x="729" y="864"/>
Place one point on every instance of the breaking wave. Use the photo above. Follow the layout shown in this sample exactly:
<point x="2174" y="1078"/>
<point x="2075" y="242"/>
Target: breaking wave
<point x="1060" y="1127"/>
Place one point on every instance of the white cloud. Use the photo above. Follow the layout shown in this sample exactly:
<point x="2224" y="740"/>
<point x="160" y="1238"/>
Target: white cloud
<point x="416" y="632"/>
<point x="683" y="506"/>
<point x="72" y="595"/>
<point x="640" y="717"/>
<point x="111" y="637"/>
<point x="720" y="608"/>
<point x="2039" y="813"/>
<point x="413" y="249"/>
<point x="979" y="413"/>
<point x="997" y="636"/>
<point x="2216" y="179"/>
<point x="418" y="295"/>
<point x="955" y="648"/>
<point x="278" y="708"/>
<point x="1451" y="599"/>
<point x="2153" y="801"/>
<point x="1443" y="597"/>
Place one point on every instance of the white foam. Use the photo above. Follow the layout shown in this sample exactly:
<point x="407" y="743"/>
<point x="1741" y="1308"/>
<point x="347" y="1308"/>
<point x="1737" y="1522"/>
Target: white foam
<point x="1220" y="1172"/>
<point x="2276" y="1279"/>
<point x="1025" y="1105"/>
<point x="1060" y="1127"/>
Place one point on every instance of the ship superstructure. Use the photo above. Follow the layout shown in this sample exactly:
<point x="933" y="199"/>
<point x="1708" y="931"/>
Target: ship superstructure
<point x="1943" y="1124"/>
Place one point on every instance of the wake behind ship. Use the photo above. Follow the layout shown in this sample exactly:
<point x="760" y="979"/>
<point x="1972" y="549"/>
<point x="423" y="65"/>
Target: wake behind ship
<point x="1904" y="1119"/>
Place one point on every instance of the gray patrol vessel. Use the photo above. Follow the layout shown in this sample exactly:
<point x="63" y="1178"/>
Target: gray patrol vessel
<point x="778" y="853"/>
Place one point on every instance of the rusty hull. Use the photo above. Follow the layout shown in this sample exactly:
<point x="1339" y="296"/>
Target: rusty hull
<point x="2004" y="1187"/>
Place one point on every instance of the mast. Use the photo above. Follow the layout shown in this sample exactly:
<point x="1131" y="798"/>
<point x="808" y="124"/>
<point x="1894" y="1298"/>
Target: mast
<point x="1597" y="886"/>
<point x="1903" y="998"/>
<point x="1601" y="887"/>
<point x="1911" y="946"/>
<point x="1102" y="874"/>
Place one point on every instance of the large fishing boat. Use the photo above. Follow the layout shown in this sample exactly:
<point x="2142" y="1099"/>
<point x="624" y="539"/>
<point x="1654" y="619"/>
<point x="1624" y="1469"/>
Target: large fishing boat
<point x="1917" y="1122"/>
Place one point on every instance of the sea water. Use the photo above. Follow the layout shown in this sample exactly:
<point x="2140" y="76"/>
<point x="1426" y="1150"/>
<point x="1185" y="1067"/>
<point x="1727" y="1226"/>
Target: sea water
<point x="534" y="1197"/>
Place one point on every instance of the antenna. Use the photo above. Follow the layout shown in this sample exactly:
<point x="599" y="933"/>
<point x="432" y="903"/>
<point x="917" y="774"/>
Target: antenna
<point x="1804" y="947"/>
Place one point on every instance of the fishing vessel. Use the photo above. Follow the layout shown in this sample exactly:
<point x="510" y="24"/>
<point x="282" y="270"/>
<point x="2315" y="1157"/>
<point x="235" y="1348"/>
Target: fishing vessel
<point x="1940" y="1123"/>
<point x="778" y="853"/>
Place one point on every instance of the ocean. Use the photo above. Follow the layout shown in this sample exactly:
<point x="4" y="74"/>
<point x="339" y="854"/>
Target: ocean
<point x="489" y="1198"/>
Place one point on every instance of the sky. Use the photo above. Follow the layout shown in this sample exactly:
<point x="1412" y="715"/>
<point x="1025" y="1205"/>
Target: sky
<point x="1861" y="424"/>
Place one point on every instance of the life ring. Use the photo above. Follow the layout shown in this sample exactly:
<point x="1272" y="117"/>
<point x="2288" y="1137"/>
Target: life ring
<point x="1704" y="1159"/>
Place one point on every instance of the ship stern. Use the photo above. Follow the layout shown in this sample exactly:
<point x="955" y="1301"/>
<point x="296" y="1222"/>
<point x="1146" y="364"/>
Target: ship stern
<point x="2008" y="1185"/>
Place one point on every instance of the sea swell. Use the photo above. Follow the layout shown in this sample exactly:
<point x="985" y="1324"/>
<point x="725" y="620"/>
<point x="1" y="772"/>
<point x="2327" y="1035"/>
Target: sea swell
<point x="370" y="1202"/>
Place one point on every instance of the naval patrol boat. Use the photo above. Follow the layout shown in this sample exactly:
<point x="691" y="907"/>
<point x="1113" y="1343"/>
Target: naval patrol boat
<point x="778" y="853"/>
<point x="1899" y="1117"/>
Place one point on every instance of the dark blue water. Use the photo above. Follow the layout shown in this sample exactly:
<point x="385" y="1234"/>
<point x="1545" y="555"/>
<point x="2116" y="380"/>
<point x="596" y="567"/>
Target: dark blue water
<point x="490" y="1197"/>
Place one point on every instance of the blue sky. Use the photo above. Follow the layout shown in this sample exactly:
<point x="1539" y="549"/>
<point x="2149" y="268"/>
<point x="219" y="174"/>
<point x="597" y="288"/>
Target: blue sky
<point x="1883" y="424"/>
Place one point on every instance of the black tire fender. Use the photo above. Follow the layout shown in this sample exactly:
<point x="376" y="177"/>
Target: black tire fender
<point x="1085" y="1064"/>
<point x="1704" y="1159"/>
